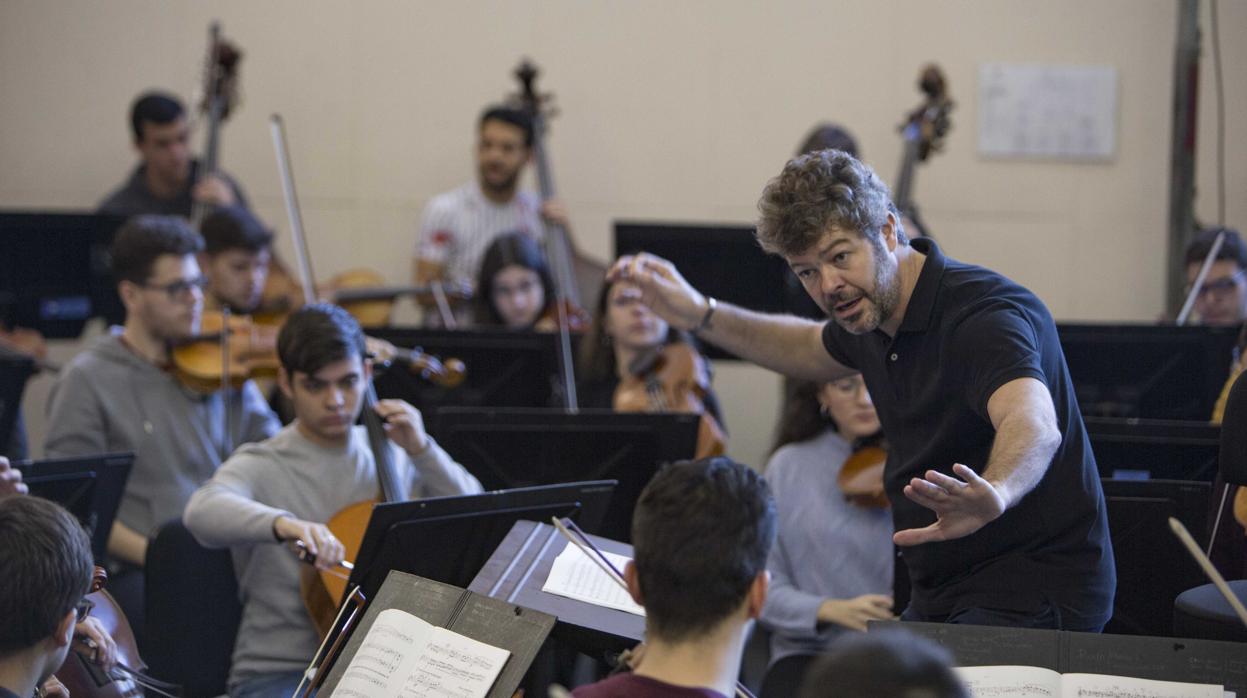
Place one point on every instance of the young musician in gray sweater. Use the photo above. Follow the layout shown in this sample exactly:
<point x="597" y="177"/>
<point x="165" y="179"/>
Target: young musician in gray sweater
<point x="283" y="489"/>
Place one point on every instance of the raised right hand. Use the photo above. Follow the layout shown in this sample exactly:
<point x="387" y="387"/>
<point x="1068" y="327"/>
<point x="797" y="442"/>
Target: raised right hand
<point x="316" y="537"/>
<point x="855" y="612"/>
<point x="663" y="290"/>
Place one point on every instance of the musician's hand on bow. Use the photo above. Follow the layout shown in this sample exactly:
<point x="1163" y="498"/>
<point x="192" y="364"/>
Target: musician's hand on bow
<point x="10" y="479"/>
<point x="52" y="688"/>
<point x="662" y="288"/>
<point x="317" y="540"/>
<point x="554" y="212"/>
<point x="93" y="635"/>
<point x="961" y="506"/>
<point x="404" y="425"/>
<point x="213" y="190"/>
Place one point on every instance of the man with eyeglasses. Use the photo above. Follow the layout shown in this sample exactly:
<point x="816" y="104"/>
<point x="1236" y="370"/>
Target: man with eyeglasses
<point x="1222" y="297"/>
<point x="46" y="567"/>
<point x="120" y="395"/>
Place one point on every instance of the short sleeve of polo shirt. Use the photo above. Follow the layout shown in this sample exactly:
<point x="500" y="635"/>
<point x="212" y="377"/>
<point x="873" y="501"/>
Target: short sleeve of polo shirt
<point x="995" y="345"/>
<point x="831" y="342"/>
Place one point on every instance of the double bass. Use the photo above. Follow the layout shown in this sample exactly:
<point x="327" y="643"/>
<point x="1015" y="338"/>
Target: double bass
<point x="922" y="134"/>
<point x="220" y="97"/>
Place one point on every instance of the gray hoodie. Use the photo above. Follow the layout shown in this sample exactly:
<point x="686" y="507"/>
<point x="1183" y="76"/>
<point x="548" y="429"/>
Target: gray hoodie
<point x="110" y="399"/>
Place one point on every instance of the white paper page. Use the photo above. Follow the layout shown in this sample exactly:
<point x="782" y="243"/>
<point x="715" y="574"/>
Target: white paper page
<point x="406" y="657"/>
<point x="576" y="576"/>
<point x="455" y="666"/>
<point x="1102" y="686"/>
<point x="1010" y="681"/>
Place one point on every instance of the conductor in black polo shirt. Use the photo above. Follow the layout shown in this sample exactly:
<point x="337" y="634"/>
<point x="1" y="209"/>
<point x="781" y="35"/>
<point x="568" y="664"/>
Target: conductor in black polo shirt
<point x="995" y="495"/>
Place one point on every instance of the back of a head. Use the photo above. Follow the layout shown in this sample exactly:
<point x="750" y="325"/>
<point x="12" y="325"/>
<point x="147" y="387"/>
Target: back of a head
<point x="509" y="115"/>
<point x="143" y="239"/>
<point x="317" y="335"/>
<point x="234" y="228"/>
<point x="826" y="136"/>
<point x="1232" y="249"/>
<point x="701" y="532"/>
<point x="45" y="567"/>
<point x="889" y="663"/>
<point x="154" y="107"/>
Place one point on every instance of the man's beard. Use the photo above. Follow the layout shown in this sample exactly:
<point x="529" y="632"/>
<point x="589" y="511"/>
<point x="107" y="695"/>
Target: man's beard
<point x="506" y="185"/>
<point x="877" y="305"/>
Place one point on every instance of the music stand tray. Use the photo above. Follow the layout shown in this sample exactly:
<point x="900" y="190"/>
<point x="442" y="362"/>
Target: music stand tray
<point x="519" y="568"/>
<point x="448" y="539"/>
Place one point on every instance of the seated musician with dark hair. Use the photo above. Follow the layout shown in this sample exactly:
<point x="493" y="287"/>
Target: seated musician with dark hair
<point x="46" y="567"/>
<point x="284" y="489"/>
<point x="165" y="181"/>
<point x="120" y="395"/>
<point x="701" y="532"/>
<point x="238" y="250"/>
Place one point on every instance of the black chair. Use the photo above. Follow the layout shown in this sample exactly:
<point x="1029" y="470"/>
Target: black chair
<point x="193" y="612"/>
<point x="1203" y="612"/>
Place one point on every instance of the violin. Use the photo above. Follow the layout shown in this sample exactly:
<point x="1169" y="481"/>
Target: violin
<point x="577" y="318"/>
<point x="673" y="378"/>
<point x="861" y="476"/>
<point x="83" y="676"/>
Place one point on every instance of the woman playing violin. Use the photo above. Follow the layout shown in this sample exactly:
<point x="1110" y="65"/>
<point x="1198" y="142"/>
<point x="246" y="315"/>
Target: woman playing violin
<point x="283" y="490"/>
<point x="832" y="563"/>
<point x="514" y="287"/>
<point x="624" y="332"/>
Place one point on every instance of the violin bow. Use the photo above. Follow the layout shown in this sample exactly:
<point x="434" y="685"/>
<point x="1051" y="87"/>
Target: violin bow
<point x="577" y="537"/>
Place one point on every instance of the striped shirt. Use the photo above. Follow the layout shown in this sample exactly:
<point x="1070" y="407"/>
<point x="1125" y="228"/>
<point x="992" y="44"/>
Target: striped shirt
<point x="458" y="225"/>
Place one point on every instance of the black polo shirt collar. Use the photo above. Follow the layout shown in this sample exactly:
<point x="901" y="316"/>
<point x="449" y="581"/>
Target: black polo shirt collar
<point x="922" y="301"/>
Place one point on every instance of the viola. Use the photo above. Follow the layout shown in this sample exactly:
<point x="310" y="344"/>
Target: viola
<point x="673" y="378"/>
<point x="83" y="676"/>
<point x="861" y="476"/>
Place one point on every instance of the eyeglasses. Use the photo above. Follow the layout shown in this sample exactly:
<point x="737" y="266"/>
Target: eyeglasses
<point x="182" y="288"/>
<point x="83" y="609"/>
<point x="1222" y="287"/>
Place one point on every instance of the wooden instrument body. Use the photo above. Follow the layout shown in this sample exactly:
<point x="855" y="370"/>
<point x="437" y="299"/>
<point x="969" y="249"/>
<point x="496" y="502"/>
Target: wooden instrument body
<point x="79" y="672"/>
<point x="861" y="477"/>
<point x="673" y="378"/>
<point x="199" y="363"/>
<point x="323" y="590"/>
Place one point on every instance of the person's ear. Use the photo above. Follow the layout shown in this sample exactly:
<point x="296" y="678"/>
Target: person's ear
<point x="757" y="593"/>
<point x="65" y="629"/>
<point x="888" y="231"/>
<point x="634" y="583"/>
<point x="130" y="294"/>
<point x="284" y="382"/>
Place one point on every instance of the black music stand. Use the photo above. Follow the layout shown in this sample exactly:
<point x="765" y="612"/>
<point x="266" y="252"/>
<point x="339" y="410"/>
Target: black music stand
<point x="519" y="448"/>
<point x="1152" y="566"/>
<point x="448" y="539"/>
<point x="90" y="488"/>
<point x="15" y="370"/>
<point x="723" y="261"/>
<point x="1154" y="448"/>
<point x="505" y="368"/>
<point x="56" y="272"/>
<point x="1147" y="371"/>
<point x="518" y="569"/>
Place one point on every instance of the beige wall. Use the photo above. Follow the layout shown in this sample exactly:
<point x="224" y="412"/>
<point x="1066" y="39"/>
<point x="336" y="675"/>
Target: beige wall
<point x="677" y="110"/>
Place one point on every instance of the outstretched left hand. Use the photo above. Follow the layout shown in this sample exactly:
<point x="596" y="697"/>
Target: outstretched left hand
<point x="961" y="506"/>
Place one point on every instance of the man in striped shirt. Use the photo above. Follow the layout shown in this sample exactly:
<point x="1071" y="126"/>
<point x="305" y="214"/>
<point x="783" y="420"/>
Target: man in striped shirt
<point x="458" y="225"/>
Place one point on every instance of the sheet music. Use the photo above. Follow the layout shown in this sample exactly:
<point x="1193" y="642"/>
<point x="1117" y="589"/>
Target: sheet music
<point x="405" y="657"/>
<point x="1028" y="682"/>
<point x="576" y="576"/>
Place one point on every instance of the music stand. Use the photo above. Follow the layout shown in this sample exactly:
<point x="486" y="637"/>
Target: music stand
<point x="723" y="261"/>
<point x="505" y="368"/>
<point x="89" y="487"/>
<point x="1152" y="566"/>
<point x="15" y="370"/>
<point x="1163" y="449"/>
<point x="1147" y="371"/>
<point x="448" y="539"/>
<point x="518" y="448"/>
<point x="56" y="272"/>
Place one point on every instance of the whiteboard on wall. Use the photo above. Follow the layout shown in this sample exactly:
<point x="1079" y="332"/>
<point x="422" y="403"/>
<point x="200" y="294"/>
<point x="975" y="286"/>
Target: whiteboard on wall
<point x="1066" y="112"/>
